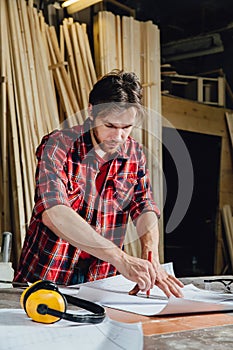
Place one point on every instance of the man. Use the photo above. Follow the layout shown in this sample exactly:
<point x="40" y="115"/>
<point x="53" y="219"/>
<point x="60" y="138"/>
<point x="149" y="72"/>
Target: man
<point x="89" y="179"/>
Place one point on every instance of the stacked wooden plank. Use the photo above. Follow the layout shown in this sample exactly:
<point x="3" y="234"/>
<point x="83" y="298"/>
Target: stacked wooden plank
<point x="81" y="66"/>
<point x="131" y="45"/>
<point x="62" y="80"/>
<point x="107" y="42"/>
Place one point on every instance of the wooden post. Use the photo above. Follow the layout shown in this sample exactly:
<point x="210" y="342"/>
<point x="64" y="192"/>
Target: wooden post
<point x="221" y="91"/>
<point x="200" y="89"/>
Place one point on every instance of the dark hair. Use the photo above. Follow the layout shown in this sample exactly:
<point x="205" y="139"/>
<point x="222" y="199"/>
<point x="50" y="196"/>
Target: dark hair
<point x="116" y="87"/>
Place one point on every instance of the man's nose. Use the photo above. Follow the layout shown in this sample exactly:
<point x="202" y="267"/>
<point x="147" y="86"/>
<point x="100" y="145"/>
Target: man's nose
<point x="117" y="134"/>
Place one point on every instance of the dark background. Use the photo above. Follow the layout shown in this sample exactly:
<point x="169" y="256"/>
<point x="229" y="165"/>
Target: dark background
<point x="191" y="245"/>
<point x="210" y="22"/>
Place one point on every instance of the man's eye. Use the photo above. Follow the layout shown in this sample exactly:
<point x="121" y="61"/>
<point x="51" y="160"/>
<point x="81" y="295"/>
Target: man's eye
<point x="115" y="127"/>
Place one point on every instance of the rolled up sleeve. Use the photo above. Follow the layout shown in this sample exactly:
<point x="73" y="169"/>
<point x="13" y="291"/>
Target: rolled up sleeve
<point x="51" y="177"/>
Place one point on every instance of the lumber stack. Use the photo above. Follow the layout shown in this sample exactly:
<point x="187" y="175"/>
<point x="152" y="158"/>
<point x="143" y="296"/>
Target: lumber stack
<point x="107" y="42"/>
<point x="81" y="67"/>
<point x="131" y="45"/>
<point x="42" y="87"/>
<point x="29" y="110"/>
<point x="45" y="83"/>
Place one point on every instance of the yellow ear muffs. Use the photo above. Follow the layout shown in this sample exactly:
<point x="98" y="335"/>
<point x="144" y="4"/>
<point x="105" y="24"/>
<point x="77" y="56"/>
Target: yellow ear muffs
<point x="43" y="303"/>
<point x="40" y="297"/>
<point x="41" y="300"/>
<point x="28" y="291"/>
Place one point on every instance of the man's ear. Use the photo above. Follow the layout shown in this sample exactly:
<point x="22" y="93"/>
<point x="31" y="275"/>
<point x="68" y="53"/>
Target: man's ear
<point x="90" y="112"/>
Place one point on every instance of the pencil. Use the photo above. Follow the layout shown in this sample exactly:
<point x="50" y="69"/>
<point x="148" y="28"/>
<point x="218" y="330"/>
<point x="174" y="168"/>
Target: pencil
<point x="150" y="260"/>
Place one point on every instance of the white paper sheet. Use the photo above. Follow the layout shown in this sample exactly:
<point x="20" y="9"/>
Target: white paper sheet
<point x="113" y="292"/>
<point x="193" y="302"/>
<point x="19" y="332"/>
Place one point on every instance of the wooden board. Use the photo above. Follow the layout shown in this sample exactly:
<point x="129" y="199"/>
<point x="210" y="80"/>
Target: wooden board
<point x="169" y="324"/>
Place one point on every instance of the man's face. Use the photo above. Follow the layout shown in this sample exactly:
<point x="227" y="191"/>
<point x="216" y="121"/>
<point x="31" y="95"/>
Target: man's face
<point x="112" y="130"/>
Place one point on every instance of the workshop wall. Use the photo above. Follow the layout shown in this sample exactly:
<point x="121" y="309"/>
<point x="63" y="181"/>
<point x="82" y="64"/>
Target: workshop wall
<point x="198" y="117"/>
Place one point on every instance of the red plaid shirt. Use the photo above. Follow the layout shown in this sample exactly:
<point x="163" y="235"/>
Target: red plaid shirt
<point x="66" y="173"/>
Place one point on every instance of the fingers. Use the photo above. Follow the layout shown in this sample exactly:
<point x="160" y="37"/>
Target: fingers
<point x="176" y="280"/>
<point x="139" y="287"/>
<point x="170" y="286"/>
<point x="145" y="279"/>
<point x="135" y="290"/>
<point x="146" y="274"/>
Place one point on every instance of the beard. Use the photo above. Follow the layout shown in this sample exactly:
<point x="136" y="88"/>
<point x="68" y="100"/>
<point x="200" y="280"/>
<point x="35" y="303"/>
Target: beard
<point x="109" y="146"/>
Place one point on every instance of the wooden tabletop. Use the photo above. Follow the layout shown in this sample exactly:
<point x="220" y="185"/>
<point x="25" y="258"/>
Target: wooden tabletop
<point x="197" y="331"/>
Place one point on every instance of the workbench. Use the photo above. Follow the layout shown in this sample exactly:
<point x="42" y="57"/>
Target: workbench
<point x="193" y="331"/>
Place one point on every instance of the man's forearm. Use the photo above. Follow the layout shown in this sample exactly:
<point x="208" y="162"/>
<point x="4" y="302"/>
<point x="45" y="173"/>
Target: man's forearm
<point x="70" y="226"/>
<point x="148" y="232"/>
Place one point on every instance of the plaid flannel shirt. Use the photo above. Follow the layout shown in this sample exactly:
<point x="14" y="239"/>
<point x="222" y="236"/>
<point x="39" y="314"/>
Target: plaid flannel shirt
<point x="66" y="173"/>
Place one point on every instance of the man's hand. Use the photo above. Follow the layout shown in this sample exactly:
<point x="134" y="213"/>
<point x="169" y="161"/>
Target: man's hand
<point x="148" y="232"/>
<point x="169" y="284"/>
<point x="137" y="270"/>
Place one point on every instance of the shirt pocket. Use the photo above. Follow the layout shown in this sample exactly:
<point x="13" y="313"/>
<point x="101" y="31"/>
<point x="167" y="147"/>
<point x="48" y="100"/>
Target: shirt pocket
<point x="123" y="192"/>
